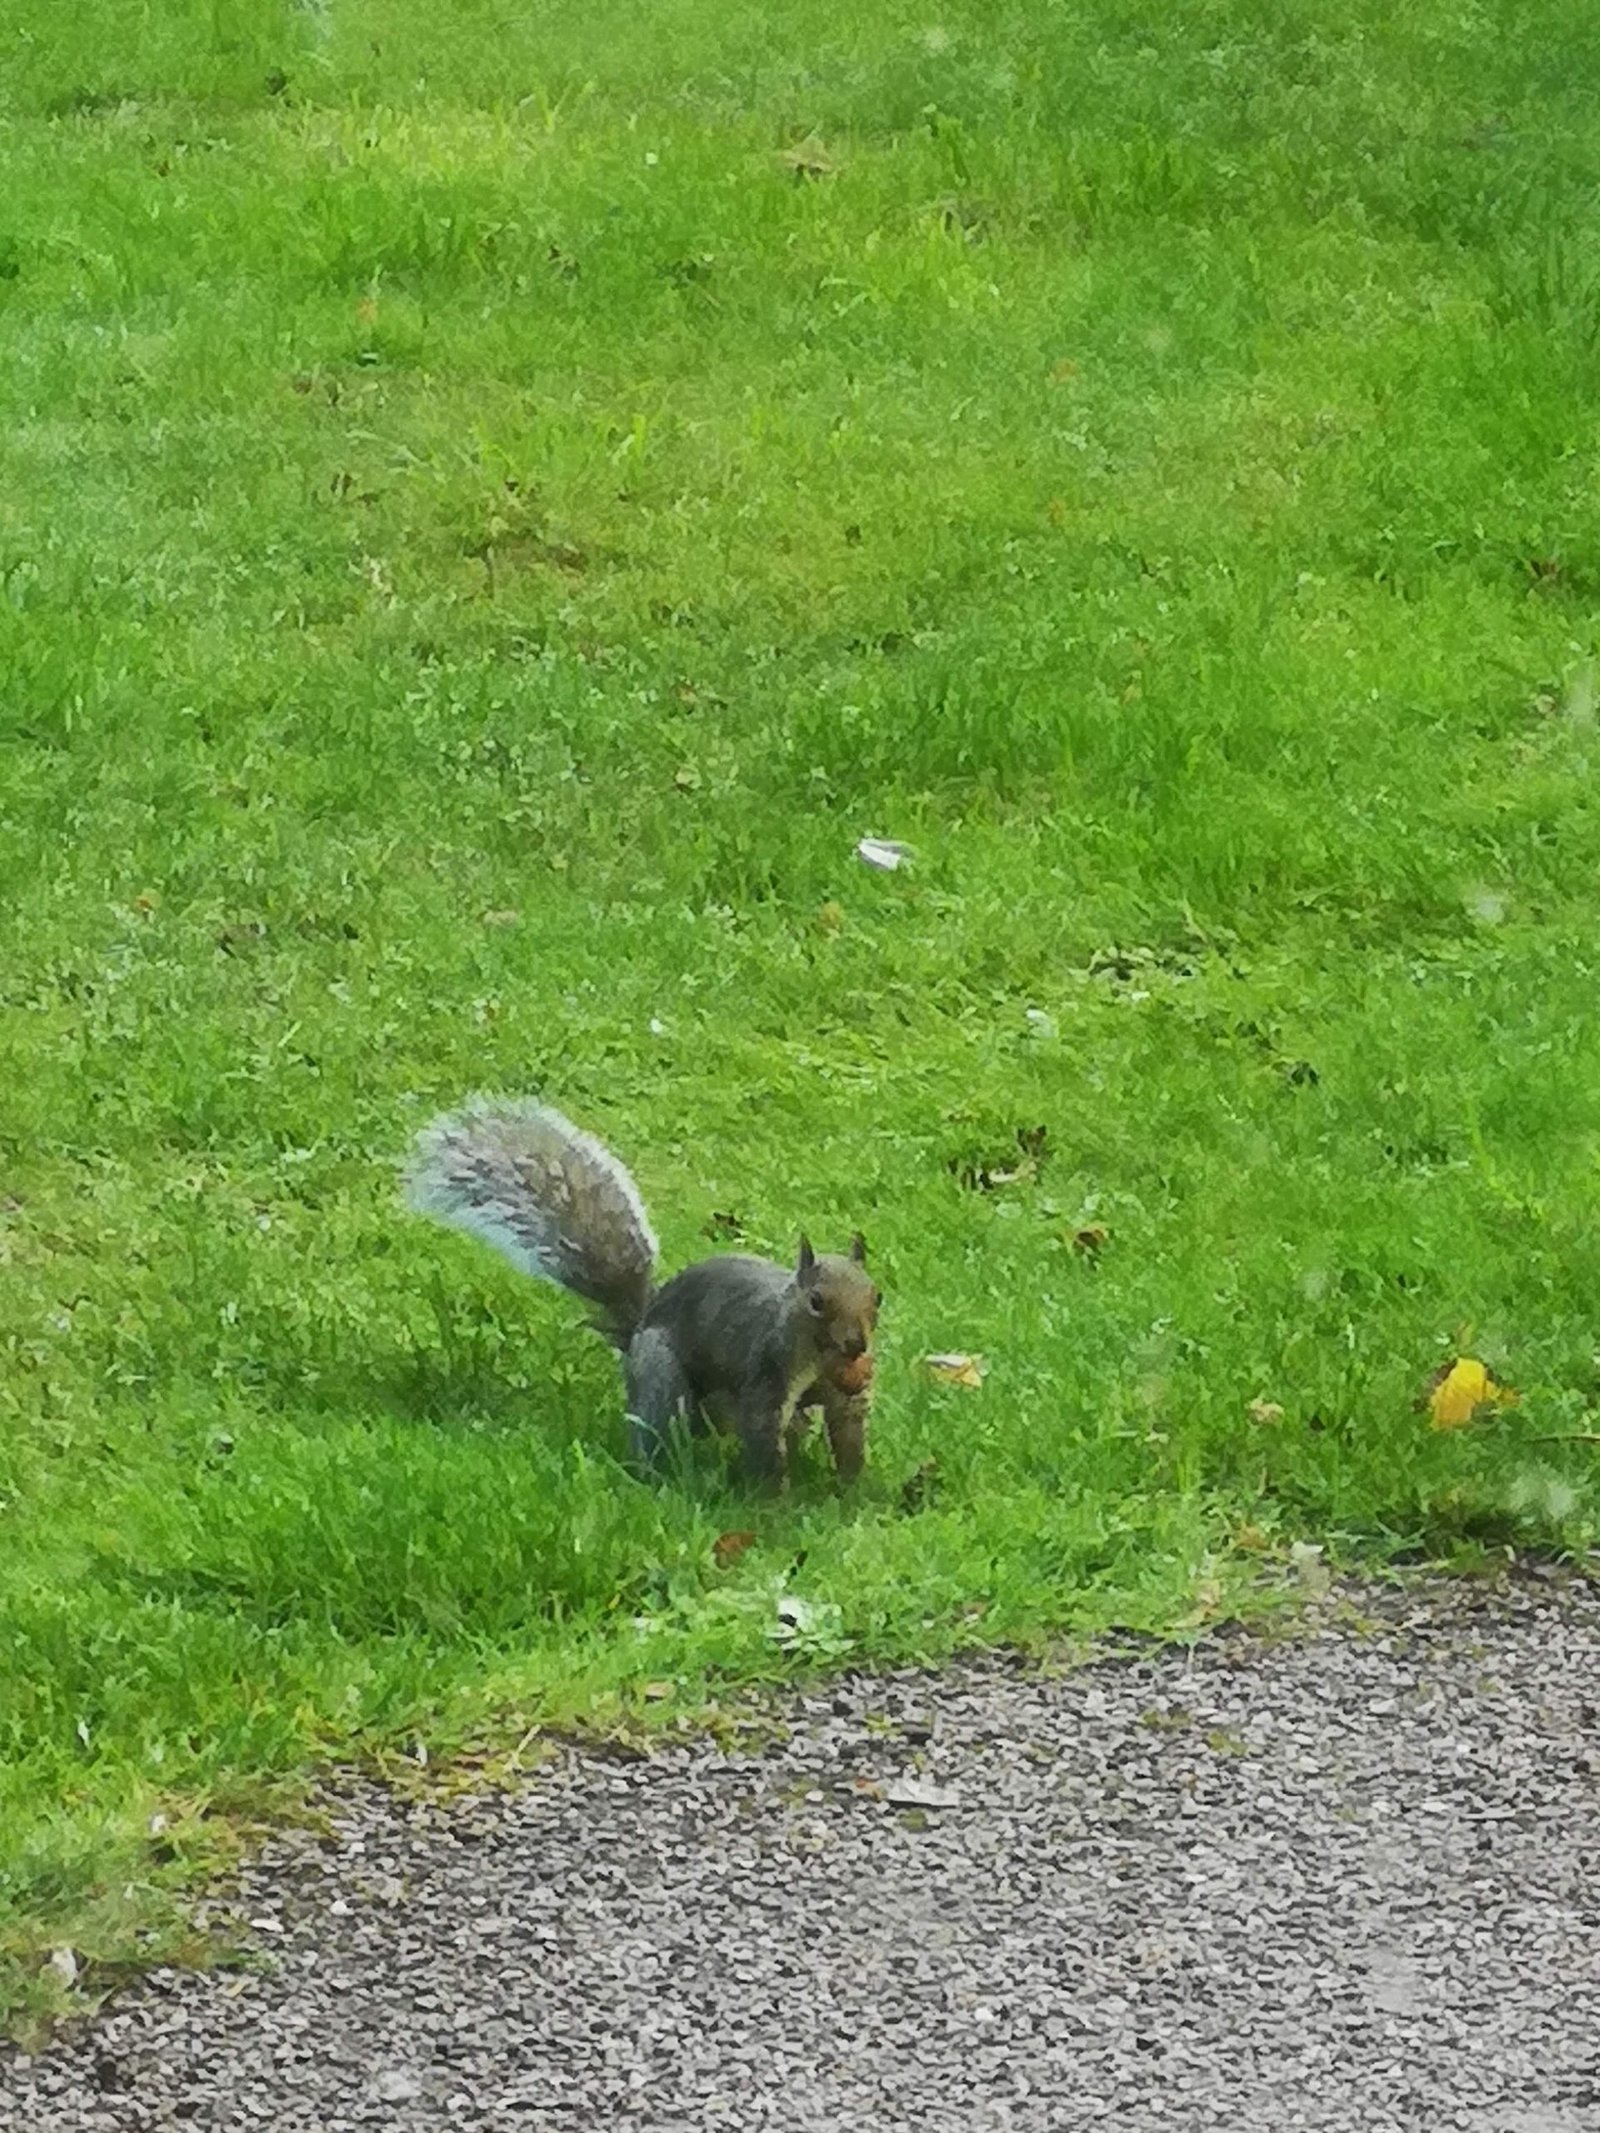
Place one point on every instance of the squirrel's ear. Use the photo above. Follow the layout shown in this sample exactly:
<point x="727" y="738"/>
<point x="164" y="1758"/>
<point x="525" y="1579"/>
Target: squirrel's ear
<point x="808" y="1259"/>
<point x="858" y="1249"/>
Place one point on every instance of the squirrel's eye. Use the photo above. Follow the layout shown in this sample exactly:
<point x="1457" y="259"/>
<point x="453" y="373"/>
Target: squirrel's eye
<point x="816" y="1302"/>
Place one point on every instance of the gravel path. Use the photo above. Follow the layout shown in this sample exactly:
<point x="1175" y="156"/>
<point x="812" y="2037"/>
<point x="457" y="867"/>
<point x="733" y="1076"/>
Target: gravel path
<point x="1347" y="1882"/>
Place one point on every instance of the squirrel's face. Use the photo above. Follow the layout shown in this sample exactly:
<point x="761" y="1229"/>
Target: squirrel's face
<point x="841" y="1299"/>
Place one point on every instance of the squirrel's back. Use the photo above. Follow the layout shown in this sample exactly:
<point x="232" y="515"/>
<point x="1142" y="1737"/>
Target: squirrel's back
<point x="730" y="1317"/>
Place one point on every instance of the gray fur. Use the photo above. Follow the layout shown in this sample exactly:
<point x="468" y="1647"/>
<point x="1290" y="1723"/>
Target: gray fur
<point x="549" y="1197"/>
<point x="745" y="1350"/>
<point x="734" y="1340"/>
<point x="721" y="1341"/>
<point x="658" y="1394"/>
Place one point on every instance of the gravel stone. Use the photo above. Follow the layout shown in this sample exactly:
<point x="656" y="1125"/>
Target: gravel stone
<point x="1346" y="1881"/>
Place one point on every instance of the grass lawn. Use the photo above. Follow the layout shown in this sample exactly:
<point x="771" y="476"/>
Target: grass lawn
<point x="489" y="517"/>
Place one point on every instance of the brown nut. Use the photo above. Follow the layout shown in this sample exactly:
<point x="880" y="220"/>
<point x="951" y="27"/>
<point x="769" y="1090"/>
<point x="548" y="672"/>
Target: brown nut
<point x="854" y="1375"/>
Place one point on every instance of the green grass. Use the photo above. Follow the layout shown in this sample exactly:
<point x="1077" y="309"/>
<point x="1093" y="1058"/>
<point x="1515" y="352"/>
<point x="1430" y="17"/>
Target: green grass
<point x="480" y="539"/>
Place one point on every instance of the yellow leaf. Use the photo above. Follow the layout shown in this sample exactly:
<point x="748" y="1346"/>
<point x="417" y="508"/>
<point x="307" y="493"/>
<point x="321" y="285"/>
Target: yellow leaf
<point x="1463" y="1391"/>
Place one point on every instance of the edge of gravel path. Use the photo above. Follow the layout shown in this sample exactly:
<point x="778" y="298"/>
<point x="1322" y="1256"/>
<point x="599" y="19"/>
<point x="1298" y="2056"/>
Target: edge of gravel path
<point x="216" y="1907"/>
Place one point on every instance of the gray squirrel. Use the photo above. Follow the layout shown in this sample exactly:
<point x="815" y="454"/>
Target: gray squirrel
<point x="732" y="1340"/>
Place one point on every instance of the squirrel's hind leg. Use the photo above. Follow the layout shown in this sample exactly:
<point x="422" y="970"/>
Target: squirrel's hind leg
<point x="659" y="1395"/>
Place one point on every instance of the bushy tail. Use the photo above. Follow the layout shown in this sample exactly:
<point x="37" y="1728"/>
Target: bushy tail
<point x="557" y="1204"/>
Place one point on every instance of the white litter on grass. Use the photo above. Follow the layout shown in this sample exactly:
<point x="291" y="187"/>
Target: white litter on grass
<point x="883" y="853"/>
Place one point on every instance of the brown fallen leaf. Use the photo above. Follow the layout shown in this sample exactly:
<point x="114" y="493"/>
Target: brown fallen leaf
<point x="1463" y="1391"/>
<point x="728" y="1547"/>
<point x="657" y="1691"/>
<point x="954" y="1369"/>
<point x="1091" y="1238"/>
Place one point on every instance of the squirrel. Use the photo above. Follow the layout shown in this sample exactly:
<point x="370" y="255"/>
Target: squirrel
<point x="732" y="1340"/>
